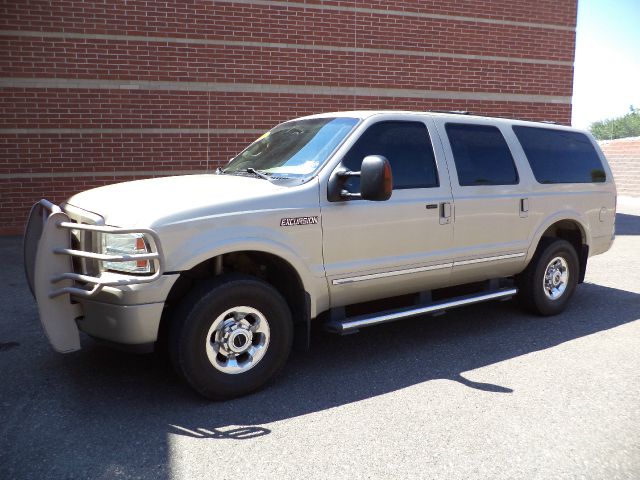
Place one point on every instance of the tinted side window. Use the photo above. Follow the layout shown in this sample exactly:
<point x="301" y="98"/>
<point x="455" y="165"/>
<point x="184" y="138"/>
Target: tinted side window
<point x="407" y="147"/>
<point x="481" y="155"/>
<point x="558" y="156"/>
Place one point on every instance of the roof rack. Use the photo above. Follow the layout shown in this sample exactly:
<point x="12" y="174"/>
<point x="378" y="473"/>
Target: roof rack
<point x="457" y="112"/>
<point x="549" y="121"/>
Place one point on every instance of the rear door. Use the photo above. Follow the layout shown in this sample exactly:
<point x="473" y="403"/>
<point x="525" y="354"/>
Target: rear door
<point x="491" y="217"/>
<point x="381" y="249"/>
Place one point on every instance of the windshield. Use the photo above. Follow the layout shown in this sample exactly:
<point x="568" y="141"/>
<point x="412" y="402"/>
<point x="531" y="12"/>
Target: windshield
<point x="293" y="149"/>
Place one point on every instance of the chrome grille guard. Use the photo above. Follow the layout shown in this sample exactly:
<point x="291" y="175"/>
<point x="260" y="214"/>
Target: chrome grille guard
<point x="49" y="269"/>
<point x="46" y="215"/>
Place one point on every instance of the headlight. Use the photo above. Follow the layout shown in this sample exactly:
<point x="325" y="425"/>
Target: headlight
<point x="126" y="244"/>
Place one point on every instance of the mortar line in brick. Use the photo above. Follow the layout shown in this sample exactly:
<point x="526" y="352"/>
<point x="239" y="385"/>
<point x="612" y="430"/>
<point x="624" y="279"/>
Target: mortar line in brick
<point x="290" y="46"/>
<point x="204" y="131"/>
<point x="74" y="174"/>
<point x="312" y="90"/>
<point x="401" y="13"/>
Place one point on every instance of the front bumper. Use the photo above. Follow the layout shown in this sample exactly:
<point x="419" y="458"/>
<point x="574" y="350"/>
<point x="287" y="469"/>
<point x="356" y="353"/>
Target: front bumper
<point x="64" y="296"/>
<point x="125" y="324"/>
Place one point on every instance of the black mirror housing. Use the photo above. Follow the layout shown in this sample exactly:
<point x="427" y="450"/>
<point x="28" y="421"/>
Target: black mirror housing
<point x="376" y="181"/>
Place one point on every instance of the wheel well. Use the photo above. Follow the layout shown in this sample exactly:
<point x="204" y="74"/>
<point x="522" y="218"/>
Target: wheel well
<point x="268" y="267"/>
<point x="572" y="232"/>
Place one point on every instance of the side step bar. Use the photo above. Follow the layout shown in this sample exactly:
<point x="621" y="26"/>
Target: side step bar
<point x="353" y="324"/>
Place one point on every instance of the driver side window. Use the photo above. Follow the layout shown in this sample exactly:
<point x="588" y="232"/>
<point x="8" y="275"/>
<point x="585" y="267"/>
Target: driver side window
<point x="408" y="148"/>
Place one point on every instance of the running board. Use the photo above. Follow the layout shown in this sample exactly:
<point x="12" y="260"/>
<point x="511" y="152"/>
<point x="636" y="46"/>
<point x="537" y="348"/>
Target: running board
<point x="353" y="324"/>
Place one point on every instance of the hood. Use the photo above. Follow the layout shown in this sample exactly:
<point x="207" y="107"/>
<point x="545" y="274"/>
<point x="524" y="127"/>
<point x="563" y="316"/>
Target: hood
<point x="159" y="201"/>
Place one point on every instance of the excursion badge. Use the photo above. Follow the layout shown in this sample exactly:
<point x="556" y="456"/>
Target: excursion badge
<point x="293" y="222"/>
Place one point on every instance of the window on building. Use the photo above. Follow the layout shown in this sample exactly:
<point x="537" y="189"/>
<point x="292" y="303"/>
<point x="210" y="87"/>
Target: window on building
<point x="481" y="155"/>
<point x="408" y="148"/>
<point x="559" y="156"/>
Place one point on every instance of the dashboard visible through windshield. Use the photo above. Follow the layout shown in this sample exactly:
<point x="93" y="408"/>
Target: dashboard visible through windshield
<point x="294" y="149"/>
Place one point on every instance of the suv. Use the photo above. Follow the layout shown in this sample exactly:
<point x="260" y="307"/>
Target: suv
<point x="352" y="218"/>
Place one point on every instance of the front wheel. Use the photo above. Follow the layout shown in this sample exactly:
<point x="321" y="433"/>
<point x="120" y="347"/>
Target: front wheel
<point x="230" y="336"/>
<point x="548" y="282"/>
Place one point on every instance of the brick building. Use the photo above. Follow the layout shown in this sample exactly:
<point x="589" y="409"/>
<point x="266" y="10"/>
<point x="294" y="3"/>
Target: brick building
<point x="100" y="92"/>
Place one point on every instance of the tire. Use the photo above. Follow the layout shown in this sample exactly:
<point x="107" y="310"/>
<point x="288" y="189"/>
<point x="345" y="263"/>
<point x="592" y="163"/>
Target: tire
<point x="549" y="299"/>
<point x="230" y="335"/>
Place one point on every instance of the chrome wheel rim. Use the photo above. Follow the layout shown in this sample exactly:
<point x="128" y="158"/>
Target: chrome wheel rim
<point x="556" y="278"/>
<point x="237" y="340"/>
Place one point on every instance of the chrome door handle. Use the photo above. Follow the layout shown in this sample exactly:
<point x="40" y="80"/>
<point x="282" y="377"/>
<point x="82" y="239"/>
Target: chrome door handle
<point x="445" y="213"/>
<point x="524" y="207"/>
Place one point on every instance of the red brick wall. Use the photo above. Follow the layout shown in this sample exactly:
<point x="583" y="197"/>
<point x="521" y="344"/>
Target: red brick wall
<point x="624" y="159"/>
<point x="100" y="92"/>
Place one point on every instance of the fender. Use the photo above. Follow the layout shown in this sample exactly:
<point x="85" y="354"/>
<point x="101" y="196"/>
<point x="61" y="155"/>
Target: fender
<point x="572" y="215"/>
<point x="204" y="246"/>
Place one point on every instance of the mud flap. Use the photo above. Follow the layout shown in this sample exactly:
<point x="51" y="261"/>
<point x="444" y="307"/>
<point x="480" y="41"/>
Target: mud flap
<point x="302" y="328"/>
<point x="57" y="315"/>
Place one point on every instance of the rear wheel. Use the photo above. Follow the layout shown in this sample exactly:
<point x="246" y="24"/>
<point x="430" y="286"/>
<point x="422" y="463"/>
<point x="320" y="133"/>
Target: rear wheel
<point x="548" y="282"/>
<point x="230" y="336"/>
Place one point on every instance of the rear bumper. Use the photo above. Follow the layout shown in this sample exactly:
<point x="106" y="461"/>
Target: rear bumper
<point x="68" y="299"/>
<point x="601" y="244"/>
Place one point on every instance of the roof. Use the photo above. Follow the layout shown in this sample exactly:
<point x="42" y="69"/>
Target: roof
<point x="364" y="114"/>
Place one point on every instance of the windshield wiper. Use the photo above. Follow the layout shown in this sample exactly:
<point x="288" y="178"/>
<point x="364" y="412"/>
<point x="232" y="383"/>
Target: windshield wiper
<point x="258" y="173"/>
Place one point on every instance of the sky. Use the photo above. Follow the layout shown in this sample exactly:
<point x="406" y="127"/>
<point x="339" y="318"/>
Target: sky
<point x="607" y="66"/>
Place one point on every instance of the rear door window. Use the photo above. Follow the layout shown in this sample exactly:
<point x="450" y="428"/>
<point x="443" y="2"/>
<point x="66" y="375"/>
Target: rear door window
<point x="481" y="155"/>
<point x="559" y="156"/>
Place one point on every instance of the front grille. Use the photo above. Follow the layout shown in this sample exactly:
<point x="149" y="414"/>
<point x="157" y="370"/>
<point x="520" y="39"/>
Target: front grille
<point x="84" y="240"/>
<point x="76" y="244"/>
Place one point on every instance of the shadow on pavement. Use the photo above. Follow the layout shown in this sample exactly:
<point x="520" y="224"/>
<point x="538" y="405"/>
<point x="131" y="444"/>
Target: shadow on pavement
<point x="100" y="408"/>
<point x="627" y="224"/>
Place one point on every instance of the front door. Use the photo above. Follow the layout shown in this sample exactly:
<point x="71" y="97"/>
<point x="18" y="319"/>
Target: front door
<point x="402" y="245"/>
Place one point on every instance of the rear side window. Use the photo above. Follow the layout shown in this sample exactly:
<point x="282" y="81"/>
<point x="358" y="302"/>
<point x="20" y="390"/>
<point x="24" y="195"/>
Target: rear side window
<point x="406" y="145"/>
<point x="558" y="156"/>
<point x="481" y="155"/>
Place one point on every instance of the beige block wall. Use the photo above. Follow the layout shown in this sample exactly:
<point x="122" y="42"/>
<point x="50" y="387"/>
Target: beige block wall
<point x="623" y="155"/>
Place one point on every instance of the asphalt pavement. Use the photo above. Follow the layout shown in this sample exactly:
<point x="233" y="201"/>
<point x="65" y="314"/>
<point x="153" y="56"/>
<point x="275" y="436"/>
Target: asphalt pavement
<point x="482" y="392"/>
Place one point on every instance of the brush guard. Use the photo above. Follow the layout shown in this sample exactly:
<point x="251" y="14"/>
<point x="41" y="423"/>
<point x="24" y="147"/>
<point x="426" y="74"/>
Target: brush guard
<point x="51" y="277"/>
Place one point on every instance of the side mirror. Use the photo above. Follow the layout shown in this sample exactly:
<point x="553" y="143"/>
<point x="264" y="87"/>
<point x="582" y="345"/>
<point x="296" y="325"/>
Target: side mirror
<point x="376" y="181"/>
